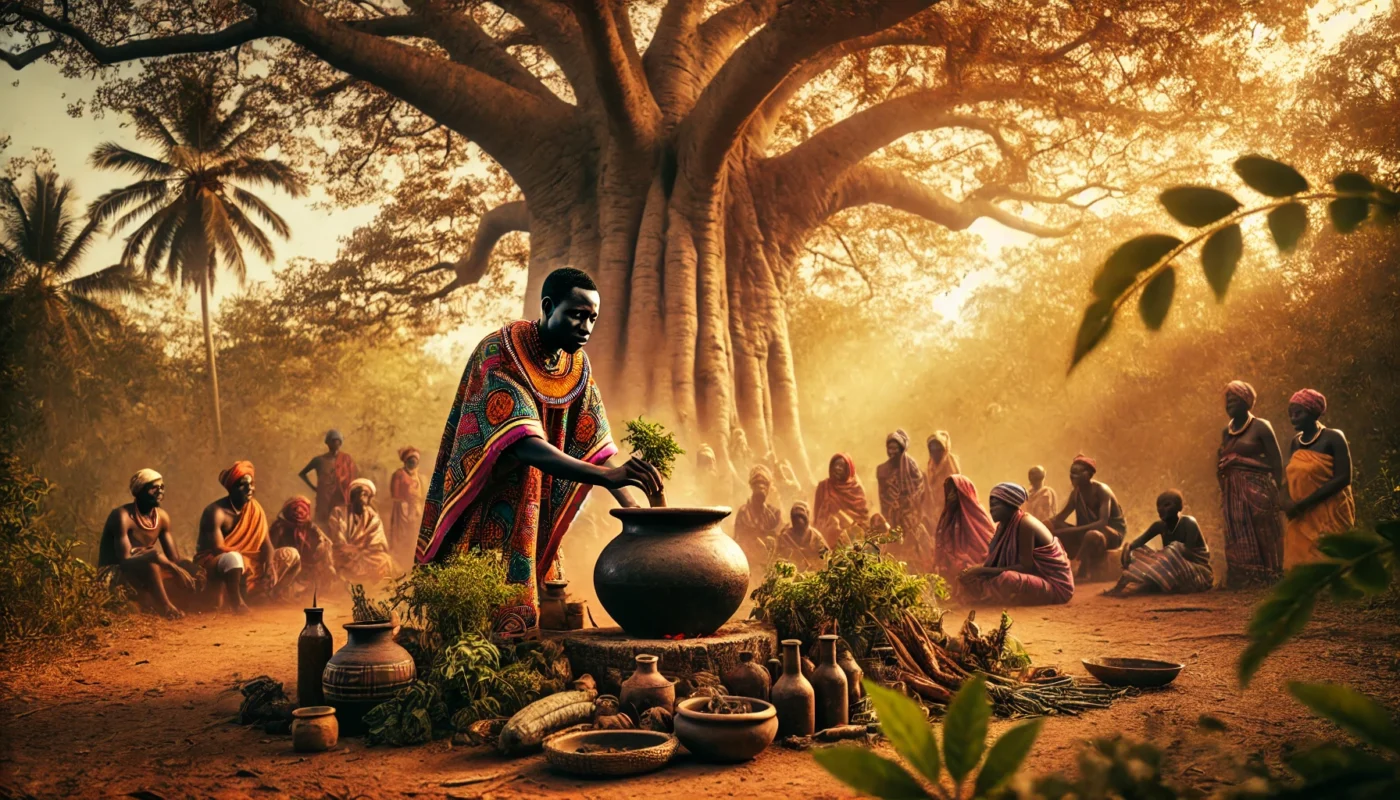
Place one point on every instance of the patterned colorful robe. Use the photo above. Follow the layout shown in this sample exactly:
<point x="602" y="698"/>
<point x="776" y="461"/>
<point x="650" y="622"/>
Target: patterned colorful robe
<point x="480" y="497"/>
<point x="1253" y="522"/>
<point x="1182" y="566"/>
<point x="1052" y="582"/>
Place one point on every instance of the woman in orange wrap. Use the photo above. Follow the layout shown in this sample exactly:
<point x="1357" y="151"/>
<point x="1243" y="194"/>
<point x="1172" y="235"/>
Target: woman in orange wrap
<point x="1319" y="481"/>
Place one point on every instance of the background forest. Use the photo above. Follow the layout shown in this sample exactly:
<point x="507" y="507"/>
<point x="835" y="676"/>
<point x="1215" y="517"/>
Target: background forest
<point x="893" y="321"/>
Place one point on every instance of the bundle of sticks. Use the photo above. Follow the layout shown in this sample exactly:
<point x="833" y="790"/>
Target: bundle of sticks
<point x="932" y="672"/>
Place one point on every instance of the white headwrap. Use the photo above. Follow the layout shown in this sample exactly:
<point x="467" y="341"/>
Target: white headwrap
<point x="366" y="483"/>
<point x="142" y="479"/>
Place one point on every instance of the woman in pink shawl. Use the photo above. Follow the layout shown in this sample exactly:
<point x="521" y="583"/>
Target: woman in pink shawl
<point x="964" y="530"/>
<point x="1026" y="565"/>
<point x="840" y="500"/>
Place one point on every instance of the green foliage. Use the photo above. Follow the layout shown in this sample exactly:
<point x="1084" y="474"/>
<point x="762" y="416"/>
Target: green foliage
<point x="45" y="589"/>
<point x="366" y="609"/>
<point x="651" y="442"/>
<point x="1337" y="770"/>
<point x="410" y="718"/>
<point x="455" y="599"/>
<point x="479" y="684"/>
<point x="1145" y="263"/>
<point x="856" y="585"/>
<point x="964" y="743"/>
<point x="1359" y="563"/>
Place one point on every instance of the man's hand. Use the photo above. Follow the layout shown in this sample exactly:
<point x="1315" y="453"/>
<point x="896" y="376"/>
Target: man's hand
<point x="1127" y="555"/>
<point x="181" y="575"/>
<point x="635" y="472"/>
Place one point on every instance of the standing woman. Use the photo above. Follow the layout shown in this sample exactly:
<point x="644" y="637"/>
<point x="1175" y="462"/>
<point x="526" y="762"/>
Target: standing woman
<point x="1319" y="480"/>
<point x="942" y="465"/>
<point x="1250" y="471"/>
<point x="406" y="516"/>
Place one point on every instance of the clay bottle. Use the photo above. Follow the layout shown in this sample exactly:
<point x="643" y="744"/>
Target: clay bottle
<point x="847" y="661"/>
<point x="830" y="686"/>
<point x="792" y="695"/>
<point x="647" y="688"/>
<point x="314" y="648"/>
<point x="747" y="679"/>
<point x="775" y="670"/>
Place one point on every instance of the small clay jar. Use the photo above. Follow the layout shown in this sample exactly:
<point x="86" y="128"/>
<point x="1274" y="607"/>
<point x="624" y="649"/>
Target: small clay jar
<point x="792" y="695"/>
<point x="574" y="614"/>
<point x="847" y="661"/>
<point x="314" y="729"/>
<point x="747" y="679"/>
<point x="647" y="688"/>
<point x="553" y="616"/>
<point x="830" y="686"/>
<point x="775" y="670"/>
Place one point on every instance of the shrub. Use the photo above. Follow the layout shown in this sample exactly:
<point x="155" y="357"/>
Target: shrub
<point x="455" y="599"/>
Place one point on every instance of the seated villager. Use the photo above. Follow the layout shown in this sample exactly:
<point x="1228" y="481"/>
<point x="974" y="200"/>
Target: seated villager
<point x="1041" y="501"/>
<point x="964" y="531"/>
<point x="709" y="483"/>
<point x="798" y="541"/>
<point x="1319" y="481"/>
<point x="1026" y="565"/>
<point x="234" y="548"/>
<point x="361" y="546"/>
<point x="1098" y="521"/>
<point x="138" y="553"/>
<point x="902" y="499"/>
<point x="840" y="501"/>
<point x="1182" y="566"/>
<point x="757" y="520"/>
<point x="406" y="513"/>
<point x="295" y="528"/>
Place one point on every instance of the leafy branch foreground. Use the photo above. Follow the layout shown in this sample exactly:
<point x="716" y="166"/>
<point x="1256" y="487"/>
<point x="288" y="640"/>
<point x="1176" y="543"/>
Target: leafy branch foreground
<point x="652" y="443"/>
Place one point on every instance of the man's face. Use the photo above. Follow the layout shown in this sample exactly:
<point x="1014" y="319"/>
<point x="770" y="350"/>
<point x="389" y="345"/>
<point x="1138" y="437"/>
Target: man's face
<point x="1080" y="475"/>
<point x="334" y="444"/>
<point x="799" y="518"/>
<point x="935" y="450"/>
<point x="568" y="324"/>
<point x="1167" y="507"/>
<point x="359" y="497"/>
<point x="152" y="493"/>
<point x="760" y="488"/>
<point x="242" y="491"/>
<point x="411" y="462"/>
<point x="1037" y="477"/>
<point x="1301" y="418"/>
<point x="892" y="449"/>
<point x="1235" y="406"/>
<point x="839" y="471"/>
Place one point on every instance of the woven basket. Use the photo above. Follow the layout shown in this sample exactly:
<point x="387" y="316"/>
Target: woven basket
<point x="646" y="751"/>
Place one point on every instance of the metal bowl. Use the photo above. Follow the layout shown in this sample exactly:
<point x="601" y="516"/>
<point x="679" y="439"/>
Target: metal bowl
<point x="639" y="751"/>
<point x="1140" y="672"/>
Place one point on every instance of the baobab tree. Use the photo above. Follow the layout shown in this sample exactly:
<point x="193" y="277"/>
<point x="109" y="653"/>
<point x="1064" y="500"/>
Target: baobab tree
<point x="684" y="151"/>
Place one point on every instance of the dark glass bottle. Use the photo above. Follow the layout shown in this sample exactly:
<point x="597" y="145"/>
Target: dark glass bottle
<point x="314" y="649"/>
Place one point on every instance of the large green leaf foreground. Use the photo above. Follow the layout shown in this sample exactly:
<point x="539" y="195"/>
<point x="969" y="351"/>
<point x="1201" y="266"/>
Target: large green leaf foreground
<point x="1145" y="266"/>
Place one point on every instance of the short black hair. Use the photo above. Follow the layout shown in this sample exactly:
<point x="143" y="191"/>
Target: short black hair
<point x="561" y="282"/>
<point x="1174" y="496"/>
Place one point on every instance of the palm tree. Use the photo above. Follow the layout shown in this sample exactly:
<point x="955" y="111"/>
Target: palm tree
<point x="197" y="216"/>
<point x="42" y="242"/>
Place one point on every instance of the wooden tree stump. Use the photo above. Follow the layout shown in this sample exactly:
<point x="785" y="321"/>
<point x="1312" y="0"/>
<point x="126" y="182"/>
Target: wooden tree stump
<point x="609" y="655"/>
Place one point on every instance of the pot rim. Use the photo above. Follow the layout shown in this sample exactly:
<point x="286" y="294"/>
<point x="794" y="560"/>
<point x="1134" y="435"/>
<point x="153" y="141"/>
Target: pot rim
<point x="311" y="712"/>
<point x="369" y="625"/>
<point x="674" y="515"/>
<point x="767" y="711"/>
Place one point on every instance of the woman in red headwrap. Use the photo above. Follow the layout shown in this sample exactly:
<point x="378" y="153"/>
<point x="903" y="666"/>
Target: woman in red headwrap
<point x="840" y="502"/>
<point x="294" y="528"/>
<point x="1250" y="471"/>
<point x="1319" y="480"/>
<point x="964" y="530"/>
<point x="406" y="513"/>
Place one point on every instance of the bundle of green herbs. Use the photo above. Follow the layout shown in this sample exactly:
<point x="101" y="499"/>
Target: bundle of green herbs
<point x="652" y="443"/>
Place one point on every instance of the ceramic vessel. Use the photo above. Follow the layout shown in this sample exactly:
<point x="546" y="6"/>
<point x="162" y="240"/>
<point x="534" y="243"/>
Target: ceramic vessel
<point x="847" y="661"/>
<point x="314" y="648"/>
<point x="314" y="729"/>
<point x="792" y="695"/>
<point x="368" y="670"/>
<point x="574" y="614"/>
<point x="775" y="670"/>
<point x="647" y="688"/>
<point x="747" y="678"/>
<point x="830" y="687"/>
<point x="725" y="737"/>
<point x="553" y="612"/>
<point x="671" y="571"/>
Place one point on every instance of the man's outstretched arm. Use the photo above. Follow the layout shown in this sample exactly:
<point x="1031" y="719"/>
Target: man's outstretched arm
<point x="535" y="452"/>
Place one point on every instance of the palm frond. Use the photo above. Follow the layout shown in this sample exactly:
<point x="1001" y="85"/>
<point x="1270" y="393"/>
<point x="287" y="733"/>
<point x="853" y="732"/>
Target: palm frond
<point x="162" y="235"/>
<point x="77" y="248"/>
<point x="150" y="126"/>
<point x="250" y="233"/>
<point x="10" y="266"/>
<point x="189" y="259"/>
<point x="253" y="204"/>
<point x="117" y="200"/>
<point x="228" y="127"/>
<point x="243" y="144"/>
<point x="110" y="155"/>
<point x="118" y="280"/>
<point x="90" y="313"/>
<point x="141" y="237"/>
<point x="219" y="232"/>
<point x="265" y="171"/>
<point x="50" y="218"/>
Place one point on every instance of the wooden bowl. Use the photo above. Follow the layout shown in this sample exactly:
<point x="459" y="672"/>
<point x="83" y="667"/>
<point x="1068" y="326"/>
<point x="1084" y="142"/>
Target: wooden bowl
<point x="642" y="751"/>
<point x="1140" y="672"/>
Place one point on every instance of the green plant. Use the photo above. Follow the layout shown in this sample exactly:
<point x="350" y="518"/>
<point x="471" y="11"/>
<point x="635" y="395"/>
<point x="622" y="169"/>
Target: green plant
<point x="365" y="609"/>
<point x="652" y="443"/>
<point x="455" y="599"/>
<point x="1145" y="265"/>
<point x="412" y="717"/>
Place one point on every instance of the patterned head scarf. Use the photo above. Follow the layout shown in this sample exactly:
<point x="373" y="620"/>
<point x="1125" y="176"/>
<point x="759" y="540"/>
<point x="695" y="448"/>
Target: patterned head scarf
<point x="760" y="471"/>
<point x="333" y="434"/>
<point x="297" y="509"/>
<point x="900" y="437"/>
<point x="405" y="452"/>
<point x="142" y="479"/>
<point x="1241" y="390"/>
<point x="1086" y="461"/>
<point x="1013" y="494"/>
<point x="231" y="476"/>
<point x="1310" y="399"/>
<point x="364" y="483"/>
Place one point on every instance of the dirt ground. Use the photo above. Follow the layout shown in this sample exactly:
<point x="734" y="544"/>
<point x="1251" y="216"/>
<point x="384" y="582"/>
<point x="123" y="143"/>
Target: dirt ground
<point x="144" y="710"/>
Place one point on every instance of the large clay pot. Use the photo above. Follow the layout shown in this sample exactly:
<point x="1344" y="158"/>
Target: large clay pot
<point x="314" y="648"/>
<point x="792" y="695"/>
<point x="647" y="688"/>
<point x="314" y="729"/>
<point x="830" y="687"/>
<point x="725" y="737"/>
<point x="747" y="679"/>
<point x="368" y="670"/>
<point x="671" y="571"/>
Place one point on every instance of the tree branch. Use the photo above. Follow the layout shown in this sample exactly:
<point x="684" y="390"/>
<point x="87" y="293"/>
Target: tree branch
<point x="726" y="28"/>
<point x="865" y="185"/>
<point x="631" y="112"/>
<point x="466" y="43"/>
<point x="494" y="224"/>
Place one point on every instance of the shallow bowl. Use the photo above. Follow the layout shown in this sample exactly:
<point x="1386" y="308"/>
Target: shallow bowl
<point x="643" y="751"/>
<point x="1140" y="672"/>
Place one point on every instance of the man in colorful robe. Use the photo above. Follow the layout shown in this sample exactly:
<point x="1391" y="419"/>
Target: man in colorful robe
<point x="840" y="500"/>
<point x="526" y="438"/>
<point x="234" y="547"/>
<point x="334" y="469"/>
<point x="294" y="528"/>
<point x="362" y="553"/>
<point x="901" y="486"/>
<point x="1319" y="481"/>
<point x="942" y="465"/>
